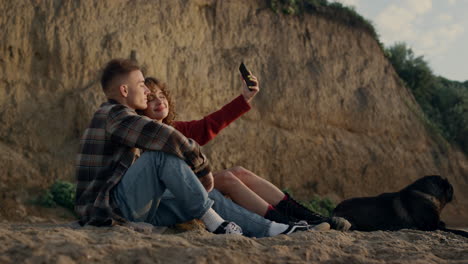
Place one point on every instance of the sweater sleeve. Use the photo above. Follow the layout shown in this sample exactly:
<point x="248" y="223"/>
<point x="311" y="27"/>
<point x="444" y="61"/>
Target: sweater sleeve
<point x="204" y="130"/>
<point x="128" y="128"/>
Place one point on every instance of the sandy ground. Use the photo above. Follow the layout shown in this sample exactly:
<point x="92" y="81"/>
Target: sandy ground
<point x="64" y="243"/>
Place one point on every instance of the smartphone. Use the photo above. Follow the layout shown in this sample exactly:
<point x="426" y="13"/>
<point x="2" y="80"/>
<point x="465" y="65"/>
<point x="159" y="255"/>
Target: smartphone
<point x="244" y="72"/>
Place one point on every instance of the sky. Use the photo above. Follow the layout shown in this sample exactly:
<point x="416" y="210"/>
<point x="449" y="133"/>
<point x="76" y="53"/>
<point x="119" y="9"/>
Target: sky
<point x="435" y="29"/>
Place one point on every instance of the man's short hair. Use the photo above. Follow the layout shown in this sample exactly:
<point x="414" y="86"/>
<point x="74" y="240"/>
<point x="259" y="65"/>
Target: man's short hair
<point x="116" y="68"/>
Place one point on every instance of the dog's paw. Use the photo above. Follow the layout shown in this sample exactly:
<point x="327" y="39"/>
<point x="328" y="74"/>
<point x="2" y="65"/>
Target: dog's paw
<point x="339" y="223"/>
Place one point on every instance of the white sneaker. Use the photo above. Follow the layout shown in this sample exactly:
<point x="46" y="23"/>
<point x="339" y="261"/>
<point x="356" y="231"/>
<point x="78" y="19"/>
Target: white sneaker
<point x="228" y="228"/>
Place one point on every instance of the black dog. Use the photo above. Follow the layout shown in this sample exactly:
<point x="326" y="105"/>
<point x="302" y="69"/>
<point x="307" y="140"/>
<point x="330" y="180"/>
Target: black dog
<point x="417" y="206"/>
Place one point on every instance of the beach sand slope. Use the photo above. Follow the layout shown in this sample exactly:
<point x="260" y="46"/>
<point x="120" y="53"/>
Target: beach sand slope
<point x="55" y="243"/>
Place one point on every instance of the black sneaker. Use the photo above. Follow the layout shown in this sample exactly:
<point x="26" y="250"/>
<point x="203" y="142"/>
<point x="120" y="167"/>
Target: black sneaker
<point x="276" y="216"/>
<point x="293" y="209"/>
<point x="302" y="226"/>
<point x="296" y="227"/>
<point x="228" y="228"/>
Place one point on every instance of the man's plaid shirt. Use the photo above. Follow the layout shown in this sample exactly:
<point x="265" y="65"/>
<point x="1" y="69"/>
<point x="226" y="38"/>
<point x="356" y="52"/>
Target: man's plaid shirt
<point x="107" y="150"/>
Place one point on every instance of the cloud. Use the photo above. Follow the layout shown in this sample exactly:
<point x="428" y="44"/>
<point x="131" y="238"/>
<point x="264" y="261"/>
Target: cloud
<point x="418" y="6"/>
<point x="445" y="18"/>
<point x="407" y="21"/>
<point x="403" y="13"/>
<point x="393" y="23"/>
<point x="438" y="41"/>
<point x="398" y="21"/>
<point x="438" y="30"/>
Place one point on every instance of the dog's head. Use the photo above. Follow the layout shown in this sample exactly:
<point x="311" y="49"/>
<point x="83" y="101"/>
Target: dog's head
<point x="435" y="186"/>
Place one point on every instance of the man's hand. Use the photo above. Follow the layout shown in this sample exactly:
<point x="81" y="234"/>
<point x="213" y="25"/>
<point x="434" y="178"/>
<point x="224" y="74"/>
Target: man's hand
<point x="249" y="94"/>
<point x="207" y="181"/>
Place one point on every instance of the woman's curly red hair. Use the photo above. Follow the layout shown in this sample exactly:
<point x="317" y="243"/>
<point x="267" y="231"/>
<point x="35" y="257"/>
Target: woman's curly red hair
<point x="153" y="84"/>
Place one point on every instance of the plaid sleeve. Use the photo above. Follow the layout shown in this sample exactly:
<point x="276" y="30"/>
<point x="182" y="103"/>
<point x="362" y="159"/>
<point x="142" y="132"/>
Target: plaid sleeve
<point x="125" y="126"/>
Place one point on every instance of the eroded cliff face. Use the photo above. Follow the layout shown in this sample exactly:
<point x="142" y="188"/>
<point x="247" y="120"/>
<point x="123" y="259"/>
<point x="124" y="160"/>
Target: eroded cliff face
<point x="332" y="118"/>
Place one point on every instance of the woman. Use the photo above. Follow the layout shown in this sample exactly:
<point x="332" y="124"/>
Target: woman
<point x="241" y="185"/>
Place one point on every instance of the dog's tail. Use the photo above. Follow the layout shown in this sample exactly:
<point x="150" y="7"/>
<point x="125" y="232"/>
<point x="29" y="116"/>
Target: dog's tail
<point x="455" y="231"/>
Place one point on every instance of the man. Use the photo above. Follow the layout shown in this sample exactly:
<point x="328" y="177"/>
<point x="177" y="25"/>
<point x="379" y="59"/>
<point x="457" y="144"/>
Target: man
<point x="114" y="187"/>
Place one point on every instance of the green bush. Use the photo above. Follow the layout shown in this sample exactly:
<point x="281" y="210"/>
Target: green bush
<point x="46" y="199"/>
<point x="444" y="102"/>
<point x="334" y="10"/>
<point x="323" y="206"/>
<point x="61" y="193"/>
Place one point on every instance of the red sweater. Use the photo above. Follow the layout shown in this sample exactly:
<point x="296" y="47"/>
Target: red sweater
<point x="204" y="130"/>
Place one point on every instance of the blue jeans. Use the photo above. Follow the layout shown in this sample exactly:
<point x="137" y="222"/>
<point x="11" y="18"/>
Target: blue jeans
<point x="162" y="190"/>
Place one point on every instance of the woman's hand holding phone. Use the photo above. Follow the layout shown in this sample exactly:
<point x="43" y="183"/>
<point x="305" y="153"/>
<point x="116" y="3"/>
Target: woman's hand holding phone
<point x="251" y="87"/>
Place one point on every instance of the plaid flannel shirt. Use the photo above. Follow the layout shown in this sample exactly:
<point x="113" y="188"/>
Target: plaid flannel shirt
<point x="107" y="150"/>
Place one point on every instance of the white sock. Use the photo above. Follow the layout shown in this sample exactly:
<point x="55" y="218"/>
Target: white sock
<point x="276" y="228"/>
<point x="212" y="220"/>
